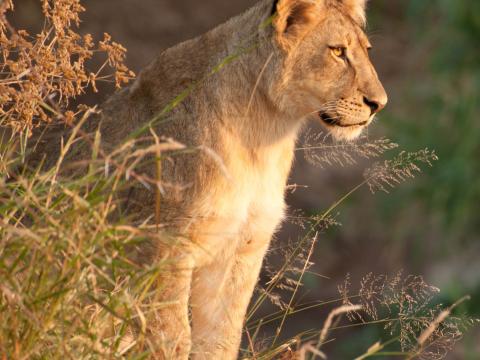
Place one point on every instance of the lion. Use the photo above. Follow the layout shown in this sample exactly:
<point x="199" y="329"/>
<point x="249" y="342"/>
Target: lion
<point x="309" y="62"/>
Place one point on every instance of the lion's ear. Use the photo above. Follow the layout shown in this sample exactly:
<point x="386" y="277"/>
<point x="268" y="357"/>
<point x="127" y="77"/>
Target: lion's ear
<point x="293" y="19"/>
<point x="356" y="9"/>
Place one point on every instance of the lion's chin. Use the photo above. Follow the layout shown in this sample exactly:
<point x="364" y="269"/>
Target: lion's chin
<point x="346" y="134"/>
<point x="341" y="131"/>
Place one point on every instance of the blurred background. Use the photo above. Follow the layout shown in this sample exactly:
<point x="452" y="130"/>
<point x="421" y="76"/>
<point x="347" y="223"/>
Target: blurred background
<point x="428" y="55"/>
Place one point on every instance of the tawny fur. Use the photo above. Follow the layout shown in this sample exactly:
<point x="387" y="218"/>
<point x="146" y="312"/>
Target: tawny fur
<point x="249" y="115"/>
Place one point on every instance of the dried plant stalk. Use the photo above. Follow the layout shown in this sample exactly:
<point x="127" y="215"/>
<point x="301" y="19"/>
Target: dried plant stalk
<point x="321" y="151"/>
<point x="41" y="73"/>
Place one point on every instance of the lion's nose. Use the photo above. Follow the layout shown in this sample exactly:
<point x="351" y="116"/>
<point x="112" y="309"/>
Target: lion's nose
<point x="374" y="105"/>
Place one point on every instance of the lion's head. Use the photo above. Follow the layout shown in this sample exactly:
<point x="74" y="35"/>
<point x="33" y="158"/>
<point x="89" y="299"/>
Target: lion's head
<point x="327" y="71"/>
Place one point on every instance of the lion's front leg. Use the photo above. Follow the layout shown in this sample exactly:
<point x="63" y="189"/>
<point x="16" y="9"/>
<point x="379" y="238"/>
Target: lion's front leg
<point x="221" y="293"/>
<point x="170" y="327"/>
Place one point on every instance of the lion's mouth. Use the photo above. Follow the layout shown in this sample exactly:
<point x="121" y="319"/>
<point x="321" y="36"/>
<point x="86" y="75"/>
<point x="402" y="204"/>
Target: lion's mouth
<point x="334" y="121"/>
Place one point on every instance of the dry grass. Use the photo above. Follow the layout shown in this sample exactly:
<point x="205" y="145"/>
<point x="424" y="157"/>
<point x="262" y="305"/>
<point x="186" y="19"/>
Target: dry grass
<point x="69" y="285"/>
<point x="40" y="73"/>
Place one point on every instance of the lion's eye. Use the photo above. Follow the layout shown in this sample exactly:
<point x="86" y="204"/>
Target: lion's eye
<point x="339" y="51"/>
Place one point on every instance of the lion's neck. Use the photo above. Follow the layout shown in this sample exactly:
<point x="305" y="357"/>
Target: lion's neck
<point x="242" y="94"/>
<point x="234" y="66"/>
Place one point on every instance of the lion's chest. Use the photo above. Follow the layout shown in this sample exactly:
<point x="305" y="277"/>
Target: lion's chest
<point x="246" y="207"/>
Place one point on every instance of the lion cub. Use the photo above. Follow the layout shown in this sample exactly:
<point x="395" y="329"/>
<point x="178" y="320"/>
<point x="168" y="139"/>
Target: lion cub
<point x="311" y="62"/>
